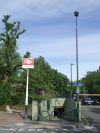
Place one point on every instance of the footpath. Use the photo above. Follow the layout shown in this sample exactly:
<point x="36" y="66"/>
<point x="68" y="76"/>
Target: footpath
<point x="15" y="120"/>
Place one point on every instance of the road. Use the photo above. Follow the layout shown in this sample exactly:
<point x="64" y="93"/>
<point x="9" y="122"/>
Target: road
<point x="51" y="131"/>
<point x="91" y="115"/>
<point x="91" y="118"/>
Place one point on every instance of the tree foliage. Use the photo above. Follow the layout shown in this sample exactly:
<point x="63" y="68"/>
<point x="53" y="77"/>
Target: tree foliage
<point x="13" y="79"/>
<point x="92" y="82"/>
<point x="44" y="79"/>
<point x="10" y="58"/>
<point x="43" y="76"/>
<point x="5" y="93"/>
<point x="27" y="54"/>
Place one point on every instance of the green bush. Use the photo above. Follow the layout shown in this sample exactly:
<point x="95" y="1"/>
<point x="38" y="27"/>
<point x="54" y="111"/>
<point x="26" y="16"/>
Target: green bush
<point x="17" y="99"/>
<point x="5" y="95"/>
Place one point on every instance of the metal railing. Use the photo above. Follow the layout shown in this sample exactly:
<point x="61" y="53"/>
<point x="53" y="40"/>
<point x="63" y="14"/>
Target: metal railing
<point x="51" y="115"/>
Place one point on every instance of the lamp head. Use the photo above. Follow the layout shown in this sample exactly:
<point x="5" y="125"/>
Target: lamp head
<point x="76" y="13"/>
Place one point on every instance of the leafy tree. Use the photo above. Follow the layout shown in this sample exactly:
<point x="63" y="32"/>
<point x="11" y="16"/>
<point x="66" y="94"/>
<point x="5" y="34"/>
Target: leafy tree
<point x="27" y="54"/>
<point x="10" y="58"/>
<point x="42" y="76"/>
<point x="5" y="94"/>
<point x="92" y="82"/>
<point x="46" y="78"/>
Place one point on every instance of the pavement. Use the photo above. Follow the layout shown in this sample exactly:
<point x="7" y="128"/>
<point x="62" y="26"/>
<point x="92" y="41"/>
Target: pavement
<point x="16" y="121"/>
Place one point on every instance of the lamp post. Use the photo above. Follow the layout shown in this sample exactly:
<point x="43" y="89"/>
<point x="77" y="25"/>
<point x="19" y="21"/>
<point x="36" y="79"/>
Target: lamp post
<point x="71" y="79"/>
<point x="76" y="14"/>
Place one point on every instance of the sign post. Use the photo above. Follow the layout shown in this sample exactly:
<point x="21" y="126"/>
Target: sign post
<point x="27" y="63"/>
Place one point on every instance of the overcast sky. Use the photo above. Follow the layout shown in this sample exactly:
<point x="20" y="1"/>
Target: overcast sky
<point x="50" y="31"/>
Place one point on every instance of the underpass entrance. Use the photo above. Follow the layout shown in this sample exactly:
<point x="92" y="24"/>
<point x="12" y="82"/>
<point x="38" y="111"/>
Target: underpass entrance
<point x="56" y="108"/>
<point x="59" y="112"/>
<point x="48" y="110"/>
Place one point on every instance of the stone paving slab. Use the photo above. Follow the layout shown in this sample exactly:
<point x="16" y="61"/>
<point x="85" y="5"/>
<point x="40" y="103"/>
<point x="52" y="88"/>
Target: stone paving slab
<point x="9" y="119"/>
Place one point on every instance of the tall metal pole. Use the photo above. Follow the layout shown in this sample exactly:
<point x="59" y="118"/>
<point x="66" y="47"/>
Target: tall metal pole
<point x="71" y="79"/>
<point x="76" y="14"/>
<point x="26" y="99"/>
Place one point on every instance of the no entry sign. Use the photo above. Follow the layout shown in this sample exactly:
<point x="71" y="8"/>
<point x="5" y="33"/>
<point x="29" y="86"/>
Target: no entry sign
<point x="27" y="63"/>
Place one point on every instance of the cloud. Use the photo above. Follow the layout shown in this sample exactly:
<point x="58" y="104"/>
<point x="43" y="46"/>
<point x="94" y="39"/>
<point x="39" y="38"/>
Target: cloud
<point x="37" y="9"/>
<point x="60" y="52"/>
<point x="88" y="45"/>
<point x="50" y="31"/>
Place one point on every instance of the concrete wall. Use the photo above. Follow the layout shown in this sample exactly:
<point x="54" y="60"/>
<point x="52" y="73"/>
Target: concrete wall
<point x="39" y="110"/>
<point x="44" y="113"/>
<point x="56" y="103"/>
<point x="35" y="110"/>
<point x="72" y="110"/>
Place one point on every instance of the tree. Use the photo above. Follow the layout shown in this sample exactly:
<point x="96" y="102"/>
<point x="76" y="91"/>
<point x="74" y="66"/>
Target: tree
<point x="10" y="58"/>
<point x="45" y="78"/>
<point x="92" y="82"/>
<point x="27" y="54"/>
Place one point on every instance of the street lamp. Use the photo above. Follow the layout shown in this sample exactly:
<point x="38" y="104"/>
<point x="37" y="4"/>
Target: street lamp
<point x="71" y="79"/>
<point x="76" y="14"/>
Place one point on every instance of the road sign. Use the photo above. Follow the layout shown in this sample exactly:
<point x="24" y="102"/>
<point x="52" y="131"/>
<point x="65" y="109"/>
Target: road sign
<point x="27" y="63"/>
<point x="77" y="85"/>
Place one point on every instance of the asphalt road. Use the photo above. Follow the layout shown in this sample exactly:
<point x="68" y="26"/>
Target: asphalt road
<point x="91" y="115"/>
<point x="51" y="131"/>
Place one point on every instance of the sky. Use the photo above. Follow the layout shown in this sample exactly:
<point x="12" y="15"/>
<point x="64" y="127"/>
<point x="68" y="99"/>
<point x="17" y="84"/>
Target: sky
<point x="50" y="32"/>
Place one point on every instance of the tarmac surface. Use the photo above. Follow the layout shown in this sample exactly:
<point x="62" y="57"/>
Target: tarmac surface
<point x="10" y="122"/>
<point x="15" y="120"/>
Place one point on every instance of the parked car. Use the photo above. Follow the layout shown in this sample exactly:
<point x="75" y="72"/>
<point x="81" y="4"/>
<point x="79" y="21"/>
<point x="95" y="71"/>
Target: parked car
<point x="87" y="100"/>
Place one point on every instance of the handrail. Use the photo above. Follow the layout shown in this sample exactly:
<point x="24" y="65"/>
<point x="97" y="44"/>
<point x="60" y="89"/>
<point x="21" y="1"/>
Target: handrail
<point x="50" y="114"/>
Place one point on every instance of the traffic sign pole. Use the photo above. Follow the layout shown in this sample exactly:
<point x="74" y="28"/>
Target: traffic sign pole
<point x="26" y="99"/>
